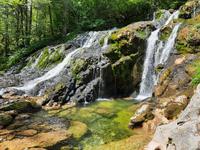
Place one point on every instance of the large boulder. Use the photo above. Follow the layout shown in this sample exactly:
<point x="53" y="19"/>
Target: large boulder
<point x="183" y="133"/>
<point x="126" y="53"/>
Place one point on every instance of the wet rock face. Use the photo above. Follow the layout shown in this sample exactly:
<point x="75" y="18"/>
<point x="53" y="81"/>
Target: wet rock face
<point x="93" y="72"/>
<point x="183" y="133"/>
<point x="126" y="52"/>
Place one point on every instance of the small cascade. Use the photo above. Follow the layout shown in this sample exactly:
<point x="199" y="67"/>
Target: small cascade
<point x="169" y="45"/>
<point x="172" y="17"/>
<point x="57" y="69"/>
<point x="101" y="61"/>
<point x="157" y="53"/>
<point x="148" y="76"/>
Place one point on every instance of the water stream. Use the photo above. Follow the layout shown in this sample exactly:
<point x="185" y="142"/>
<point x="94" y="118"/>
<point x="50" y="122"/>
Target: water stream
<point x="157" y="53"/>
<point x="57" y="69"/>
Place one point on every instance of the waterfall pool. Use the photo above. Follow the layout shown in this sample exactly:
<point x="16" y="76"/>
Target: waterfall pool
<point x="107" y="125"/>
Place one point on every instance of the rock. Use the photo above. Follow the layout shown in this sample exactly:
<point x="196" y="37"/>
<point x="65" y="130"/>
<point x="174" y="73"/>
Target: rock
<point x="30" y="132"/>
<point x="126" y="51"/>
<point x="188" y="39"/>
<point x="190" y="9"/>
<point x="172" y="110"/>
<point x="22" y="117"/>
<point x="42" y="140"/>
<point x="19" y="106"/>
<point x="143" y="114"/>
<point x="175" y="80"/>
<point x="183" y="133"/>
<point x="5" y="119"/>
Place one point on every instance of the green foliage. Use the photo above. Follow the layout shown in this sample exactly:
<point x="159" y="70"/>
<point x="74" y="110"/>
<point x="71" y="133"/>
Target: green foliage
<point x="196" y="77"/>
<point x="77" y="66"/>
<point x="26" y="25"/>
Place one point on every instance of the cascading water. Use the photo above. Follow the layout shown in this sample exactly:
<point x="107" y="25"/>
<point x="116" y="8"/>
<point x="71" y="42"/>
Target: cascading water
<point x="56" y="70"/>
<point x="157" y="53"/>
<point x="169" y="45"/>
<point x="101" y="84"/>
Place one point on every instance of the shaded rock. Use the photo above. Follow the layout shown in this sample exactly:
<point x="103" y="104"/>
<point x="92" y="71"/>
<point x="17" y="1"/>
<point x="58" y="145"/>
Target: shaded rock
<point x="19" y="106"/>
<point x="5" y="119"/>
<point x="176" y="79"/>
<point x="22" y="117"/>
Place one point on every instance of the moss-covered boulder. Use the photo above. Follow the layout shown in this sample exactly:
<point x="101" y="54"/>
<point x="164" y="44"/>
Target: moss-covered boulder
<point x="48" y="57"/>
<point x="5" y="119"/>
<point x="190" y="9"/>
<point x="126" y="53"/>
<point x="188" y="39"/>
<point x="19" y="106"/>
<point x="129" y="40"/>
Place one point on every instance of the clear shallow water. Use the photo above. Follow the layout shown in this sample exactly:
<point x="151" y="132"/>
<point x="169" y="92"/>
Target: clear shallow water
<point x="106" y="121"/>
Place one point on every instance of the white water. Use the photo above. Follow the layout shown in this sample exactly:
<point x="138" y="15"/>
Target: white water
<point x="57" y="69"/>
<point x="156" y="53"/>
<point x="169" y="45"/>
<point x="172" y="17"/>
<point x="101" y="84"/>
<point x="148" y="71"/>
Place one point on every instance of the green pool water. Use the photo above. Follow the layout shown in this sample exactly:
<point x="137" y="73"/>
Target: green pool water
<point x="106" y="121"/>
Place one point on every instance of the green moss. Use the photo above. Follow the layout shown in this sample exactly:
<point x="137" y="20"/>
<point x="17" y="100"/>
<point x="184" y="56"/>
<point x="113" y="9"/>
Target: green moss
<point x="5" y="119"/>
<point x="159" y="14"/>
<point x="165" y="33"/>
<point x="196" y="74"/>
<point x="48" y="59"/>
<point x="78" y="129"/>
<point x="22" y="106"/>
<point x="77" y="66"/>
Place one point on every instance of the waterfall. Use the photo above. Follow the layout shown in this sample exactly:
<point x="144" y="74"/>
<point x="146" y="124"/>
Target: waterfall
<point x="101" y="84"/>
<point x="169" y="45"/>
<point x="156" y="53"/>
<point x="57" y="69"/>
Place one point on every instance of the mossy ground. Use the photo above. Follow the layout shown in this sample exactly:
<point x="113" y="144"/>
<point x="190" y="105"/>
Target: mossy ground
<point x="107" y="121"/>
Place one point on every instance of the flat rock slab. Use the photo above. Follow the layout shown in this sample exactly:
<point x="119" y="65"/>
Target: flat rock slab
<point x="40" y="140"/>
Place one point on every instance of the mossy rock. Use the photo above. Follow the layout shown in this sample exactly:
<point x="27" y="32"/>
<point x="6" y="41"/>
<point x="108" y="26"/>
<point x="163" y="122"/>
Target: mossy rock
<point x="123" y="72"/>
<point x="77" y="66"/>
<point x="48" y="59"/>
<point x="20" y="106"/>
<point x="187" y="10"/>
<point x="5" y="119"/>
<point x="128" y="40"/>
<point x="165" y="33"/>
